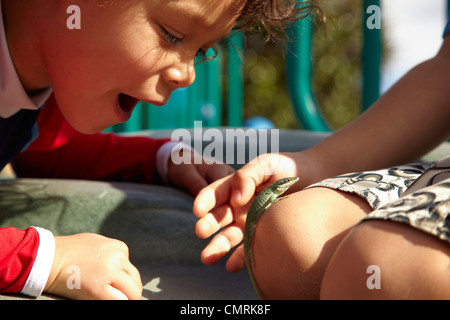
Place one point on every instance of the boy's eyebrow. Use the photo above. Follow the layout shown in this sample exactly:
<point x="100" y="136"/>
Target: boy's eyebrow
<point x="192" y="16"/>
<point x="188" y="16"/>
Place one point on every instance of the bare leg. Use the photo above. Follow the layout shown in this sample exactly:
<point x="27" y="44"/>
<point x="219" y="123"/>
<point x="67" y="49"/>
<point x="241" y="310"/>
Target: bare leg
<point x="296" y="238"/>
<point x="411" y="264"/>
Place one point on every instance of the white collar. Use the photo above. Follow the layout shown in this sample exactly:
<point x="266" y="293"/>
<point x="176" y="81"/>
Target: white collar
<point x="13" y="96"/>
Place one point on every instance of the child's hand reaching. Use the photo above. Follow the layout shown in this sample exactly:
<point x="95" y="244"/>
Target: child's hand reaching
<point x="196" y="176"/>
<point x="224" y="204"/>
<point x="104" y="269"/>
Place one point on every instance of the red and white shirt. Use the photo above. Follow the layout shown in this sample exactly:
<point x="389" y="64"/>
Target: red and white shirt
<point x="51" y="148"/>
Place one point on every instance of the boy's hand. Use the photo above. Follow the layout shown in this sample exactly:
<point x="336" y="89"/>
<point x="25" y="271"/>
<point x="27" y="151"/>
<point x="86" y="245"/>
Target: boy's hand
<point x="104" y="269"/>
<point x="194" y="177"/>
<point x="224" y="205"/>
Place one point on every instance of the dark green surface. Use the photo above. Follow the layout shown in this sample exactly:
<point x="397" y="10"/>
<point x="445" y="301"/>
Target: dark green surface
<point x="156" y="223"/>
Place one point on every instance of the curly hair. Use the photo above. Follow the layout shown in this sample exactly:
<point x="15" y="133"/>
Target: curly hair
<point x="273" y="15"/>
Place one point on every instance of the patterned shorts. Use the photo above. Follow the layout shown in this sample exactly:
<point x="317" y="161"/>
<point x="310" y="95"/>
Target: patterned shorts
<point x="417" y="194"/>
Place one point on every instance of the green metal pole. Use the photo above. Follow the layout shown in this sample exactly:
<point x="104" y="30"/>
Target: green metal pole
<point x="299" y="75"/>
<point x="235" y="45"/>
<point x="371" y="55"/>
<point x="448" y="9"/>
<point x="212" y="111"/>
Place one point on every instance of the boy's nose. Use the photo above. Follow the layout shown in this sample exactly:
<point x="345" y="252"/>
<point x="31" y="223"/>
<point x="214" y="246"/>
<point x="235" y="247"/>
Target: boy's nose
<point x="180" y="75"/>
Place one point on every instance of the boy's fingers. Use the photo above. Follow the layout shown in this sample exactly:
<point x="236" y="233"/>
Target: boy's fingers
<point x="214" y="221"/>
<point x="190" y="179"/>
<point x="217" y="172"/>
<point x="135" y="276"/>
<point x="211" y="196"/>
<point x="221" y="244"/>
<point x="256" y="175"/>
<point x="112" y="293"/>
<point x="194" y="182"/>
<point x="243" y="188"/>
<point x="237" y="188"/>
<point x="219" y="218"/>
<point x="236" y="261"/>
<point x="245" y="183"/>
<point x="128" y="284"/>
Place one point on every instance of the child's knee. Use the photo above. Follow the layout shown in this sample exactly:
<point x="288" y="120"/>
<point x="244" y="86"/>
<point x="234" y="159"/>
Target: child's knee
<point x="387" y="260"/>
<point x="353" y="271"/>
<point x="294" y="241"/>
<point x="278" y="262"/>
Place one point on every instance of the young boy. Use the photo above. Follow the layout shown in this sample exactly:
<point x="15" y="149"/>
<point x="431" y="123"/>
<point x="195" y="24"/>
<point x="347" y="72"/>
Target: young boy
<point x="122" y="52"/>
<point x="314" y="244"/>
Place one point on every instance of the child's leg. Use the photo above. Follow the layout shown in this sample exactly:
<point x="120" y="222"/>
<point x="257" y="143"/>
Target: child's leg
<point x="296" y="237"/>
<point x="409" y="264"/>
<point x="408" y="242"/>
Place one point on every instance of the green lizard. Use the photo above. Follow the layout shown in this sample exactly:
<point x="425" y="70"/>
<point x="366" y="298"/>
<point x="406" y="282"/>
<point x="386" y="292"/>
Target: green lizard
<point x="263" y="201"/>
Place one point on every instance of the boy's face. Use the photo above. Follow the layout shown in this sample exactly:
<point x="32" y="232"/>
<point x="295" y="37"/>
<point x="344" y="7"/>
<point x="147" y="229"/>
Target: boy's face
<point x="128" y="51"/>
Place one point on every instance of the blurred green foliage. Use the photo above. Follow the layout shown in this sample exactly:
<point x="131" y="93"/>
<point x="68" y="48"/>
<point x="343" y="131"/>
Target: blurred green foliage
<point x="336" y="64"/>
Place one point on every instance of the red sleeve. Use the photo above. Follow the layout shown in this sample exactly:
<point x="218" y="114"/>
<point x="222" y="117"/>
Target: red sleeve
<point x="62" y="152"/>
<point x="18" y="251"/>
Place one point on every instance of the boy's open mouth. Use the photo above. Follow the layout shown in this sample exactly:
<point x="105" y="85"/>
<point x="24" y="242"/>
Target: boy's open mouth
<point x="127" y="103"/>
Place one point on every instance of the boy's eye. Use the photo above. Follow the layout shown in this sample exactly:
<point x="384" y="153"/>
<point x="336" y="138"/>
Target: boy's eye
<point x="171" y="39"/>
<point x="178" y="42"/>
<point x="201" y="54"/>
